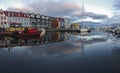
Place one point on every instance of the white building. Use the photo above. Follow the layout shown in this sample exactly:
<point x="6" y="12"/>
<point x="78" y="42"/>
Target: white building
<point x="3" y="20"/>
<point x="64" y="23"/>
<point x="10" y="18"/>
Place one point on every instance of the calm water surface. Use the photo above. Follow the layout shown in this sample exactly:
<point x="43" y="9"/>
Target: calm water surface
<point x="95" y="52"/>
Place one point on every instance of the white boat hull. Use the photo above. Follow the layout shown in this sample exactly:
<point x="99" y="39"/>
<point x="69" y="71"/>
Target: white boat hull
<point x="84" y="30"/>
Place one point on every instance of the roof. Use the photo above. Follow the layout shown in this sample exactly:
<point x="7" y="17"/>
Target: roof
<point x="15" y="23"/>
<point x="16" y="14"/>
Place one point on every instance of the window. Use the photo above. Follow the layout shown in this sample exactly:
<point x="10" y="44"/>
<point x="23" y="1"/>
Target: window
<point x="4" y="18"/>
<point x="12" y="13"/>
<point x="4" y="22"/>
<point x="18" y="14"/>
<point x="24" y="15"/>
<point x="15" y="18"/>
<point x="1" y="18"/>
<point x="8" y="14"/>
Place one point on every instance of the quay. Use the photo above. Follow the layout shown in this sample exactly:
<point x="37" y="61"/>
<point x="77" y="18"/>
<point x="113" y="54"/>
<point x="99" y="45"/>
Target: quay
<point x="62" y="30"/>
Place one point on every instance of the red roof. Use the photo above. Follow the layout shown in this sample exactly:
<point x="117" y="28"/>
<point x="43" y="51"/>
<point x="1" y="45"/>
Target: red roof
<point x="16" y="14"/>
<point x="60" y="19"/>
<point x="15" y="23"/>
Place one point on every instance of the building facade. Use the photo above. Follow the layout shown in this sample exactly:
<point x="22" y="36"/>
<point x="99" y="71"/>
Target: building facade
<point x="3" y="20"/>
<point x="16" y="19"/>
<point x="40" y="21"/>
<point x="11" y="18"/>
<point x="64" y="23"/>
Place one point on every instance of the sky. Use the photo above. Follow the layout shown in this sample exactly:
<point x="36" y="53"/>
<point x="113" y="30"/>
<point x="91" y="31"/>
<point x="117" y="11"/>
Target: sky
<point x="100" y="11"/>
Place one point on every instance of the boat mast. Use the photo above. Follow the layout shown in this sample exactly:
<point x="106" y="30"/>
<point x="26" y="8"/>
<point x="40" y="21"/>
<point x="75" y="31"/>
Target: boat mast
<point x="82" y="13"/>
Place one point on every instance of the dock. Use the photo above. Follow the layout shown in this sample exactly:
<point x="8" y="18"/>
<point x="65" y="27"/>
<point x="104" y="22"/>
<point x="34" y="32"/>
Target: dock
<point x="62" y="30"/>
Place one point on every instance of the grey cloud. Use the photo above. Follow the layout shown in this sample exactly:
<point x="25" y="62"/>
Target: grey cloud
<point x="53" y="7"/>
<point x="59" y="8"/>
<point x="117" y="4"/>
<point x="95" y="16"/>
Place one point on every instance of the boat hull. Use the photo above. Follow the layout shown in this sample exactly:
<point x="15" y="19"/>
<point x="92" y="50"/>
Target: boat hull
<point x="25" y="35"/>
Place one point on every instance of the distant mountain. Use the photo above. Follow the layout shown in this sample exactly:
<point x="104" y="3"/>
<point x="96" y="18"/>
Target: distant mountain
<point x="92" y="24"/>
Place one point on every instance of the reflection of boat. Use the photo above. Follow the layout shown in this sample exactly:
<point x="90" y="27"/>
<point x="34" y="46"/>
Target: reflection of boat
<point x="6" y="33"/>
<point x="11" y="41"/>
<point x="84" y="33"/>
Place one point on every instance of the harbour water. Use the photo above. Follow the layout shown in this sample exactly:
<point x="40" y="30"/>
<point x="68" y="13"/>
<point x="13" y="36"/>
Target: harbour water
<point x="94" y="52"/>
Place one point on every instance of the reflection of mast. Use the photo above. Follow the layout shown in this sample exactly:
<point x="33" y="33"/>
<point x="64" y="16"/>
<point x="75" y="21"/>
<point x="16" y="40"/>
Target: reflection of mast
<point x="82" y="46"/>
<point x="82" y="16"/>
<point x="108" y="35"/>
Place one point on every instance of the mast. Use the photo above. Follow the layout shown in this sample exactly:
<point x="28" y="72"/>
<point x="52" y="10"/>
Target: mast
<point x="82" y="13"/>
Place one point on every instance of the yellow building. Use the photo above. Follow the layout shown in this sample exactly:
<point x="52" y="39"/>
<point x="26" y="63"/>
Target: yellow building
<point x="75" y="26"/>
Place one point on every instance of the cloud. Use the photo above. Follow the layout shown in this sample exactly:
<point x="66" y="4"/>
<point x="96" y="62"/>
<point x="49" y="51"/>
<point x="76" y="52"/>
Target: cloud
<point x="17" y="9"/>
<point x="117" y="4"/>
<point x="53" y="7"/>
<point x="95" y="16"/>
<point x="90" y="16"/>
<point x="57" y="8"/>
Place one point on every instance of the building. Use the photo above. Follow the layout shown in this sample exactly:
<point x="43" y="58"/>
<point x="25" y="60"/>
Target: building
<point x="40" y="21"/>
<point x="64" y="23"/>
<point x="13" y="19"/>
<point x="17" y="19"/>
<point x="3" y="20"/>
<point x="55" y="24"/>
<point x="75" y="26"/>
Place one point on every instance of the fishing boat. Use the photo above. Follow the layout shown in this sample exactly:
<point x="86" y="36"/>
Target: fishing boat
<point x="30" y="33"/>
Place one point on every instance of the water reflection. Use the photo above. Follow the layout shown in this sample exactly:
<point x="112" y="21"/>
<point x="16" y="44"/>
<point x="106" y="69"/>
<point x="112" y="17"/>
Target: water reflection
<point x="63" y="43"/>
<point x="62" y="53"/>
<point x="7" y="41"/>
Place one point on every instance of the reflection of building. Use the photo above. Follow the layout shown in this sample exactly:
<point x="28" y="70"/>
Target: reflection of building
<point x="64" y="36"/>
<point x="55" y="37"/>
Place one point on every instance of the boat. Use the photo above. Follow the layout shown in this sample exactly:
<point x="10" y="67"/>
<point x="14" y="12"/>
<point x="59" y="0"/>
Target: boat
<point x="30" y="33"/>
<point x="83" y="29"/>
